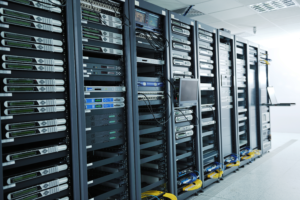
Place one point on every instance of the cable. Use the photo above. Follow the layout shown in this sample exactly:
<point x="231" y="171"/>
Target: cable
<point x="152" y="112"/>
<point x="152" y="196"/>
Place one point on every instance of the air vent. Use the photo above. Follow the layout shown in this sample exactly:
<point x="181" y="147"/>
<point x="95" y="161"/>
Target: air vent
<point x="273" y="5"/>
<point x="192" y="13"/>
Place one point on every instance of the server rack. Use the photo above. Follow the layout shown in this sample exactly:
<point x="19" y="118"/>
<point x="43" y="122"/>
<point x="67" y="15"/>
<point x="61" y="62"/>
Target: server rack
<point x="253" y="87"/>
<point x="208" y="67"/>
<point x="244" y="100"/>
<point x="183" y="64"/>
<point x="38" y="105"/>
<point x="228" y="94"/>
<point x="151" y="102"/>
<point x="103" y="71"/>
<point x="264" y="124"/>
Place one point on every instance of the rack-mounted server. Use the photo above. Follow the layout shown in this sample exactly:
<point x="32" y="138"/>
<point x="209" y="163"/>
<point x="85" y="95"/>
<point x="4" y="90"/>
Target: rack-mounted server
<point x="207" y="51"/>
<point x="185" y="118"/>
<point x="104" y="99"/>
<point x="38" y="119"/>
<point x="151" y="99"/>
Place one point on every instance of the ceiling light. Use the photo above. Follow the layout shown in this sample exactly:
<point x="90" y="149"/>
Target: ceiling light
<point x="192" y="13"/>
<point x="273" y="5"/>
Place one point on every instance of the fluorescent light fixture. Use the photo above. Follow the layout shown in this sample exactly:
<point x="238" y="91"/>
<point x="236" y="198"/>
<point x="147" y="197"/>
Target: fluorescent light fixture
<point x="273" y="5"/>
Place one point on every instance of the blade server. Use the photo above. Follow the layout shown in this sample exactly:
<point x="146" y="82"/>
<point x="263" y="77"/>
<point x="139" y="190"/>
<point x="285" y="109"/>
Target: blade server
<point x="36" y="100"/>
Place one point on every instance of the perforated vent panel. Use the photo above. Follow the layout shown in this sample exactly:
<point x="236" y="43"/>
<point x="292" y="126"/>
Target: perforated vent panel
<point x="273" y="5"/>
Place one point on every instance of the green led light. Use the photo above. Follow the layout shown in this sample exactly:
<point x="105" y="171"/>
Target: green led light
<point x="89" y="12"/>
<point x="112" y="132"/>
<point x="23" y="155"/>
<point x="98" y="106"/>
<point x="9" y="66"/>
<point x="20" y="37"/>
<point x="26" y="191"/>
<point x="111" y="116"/>
<point x="91" y="36"/>
<point x="19" y="81"/>
<point x="19" y="44"/>
<point x="91" y="48"/>
<point x="21" y="103"/>
<point x="111" y="122"/>
<point x="22" y="133"/>
<point x="25" y="125"/>
<point x="31" y="197"/>
<point x="91" y="30"/>
<point x="22" y="178"/>
<point x="21" y="89"/>
<point x="91" y="19"/>
<point x="17" y="14"/>
<point x="19" y="59"/>
<point x="21" y="111"/>
<point x="111" y="138"/>
<point x="18" y="22"/>
<point x="98" y="100"/>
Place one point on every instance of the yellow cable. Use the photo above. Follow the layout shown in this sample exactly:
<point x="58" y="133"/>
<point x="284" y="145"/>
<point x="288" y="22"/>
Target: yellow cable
<point x="193" y="186"/>
<point x="157" y="193"/>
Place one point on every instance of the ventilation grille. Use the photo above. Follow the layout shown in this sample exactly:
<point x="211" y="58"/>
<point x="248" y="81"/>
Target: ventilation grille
<point x="191" y="13"/>
<point x="273" y="5"/>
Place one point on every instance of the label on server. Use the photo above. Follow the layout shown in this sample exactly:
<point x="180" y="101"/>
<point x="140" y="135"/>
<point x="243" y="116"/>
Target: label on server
<point x="37" y="173"/>
<point x="30" y="17"/>
<point x="180" y="30"/>
<point x="104" y="100"/>
<point x="35" y="124"/>
<point x="31" y="132"/>
<point x="103" y="72"/>
<point x="35" y="152"/>
<point x="102" y="22"/>
<point x="38" y="47"/>
<point x="23" y="59"/>
<point x="36" y="188"/>
<point x="181" y="40"/>
<point x="104" y="106"/>
<point x="180" y="24"/>
<point x="28" y="38"/>
<point x="42" y="68"/>
<point x="102" y="16"/>
<point x="26" y="103"/>
<point x="28" y="81"/>
<point x="33" y="89"/>
<point x="102" y="50"/>
<point x="181" y="46"/>
<point x="38" y="4"/>
<point x="104" y="89"/>
<point x="101" y="32"/>
<point x="34" y="25"/>
<point x="34" y="110"/>
<point x="102" y="38"/>
<point x="182" y="62"/>
<point x="150" y="84"/>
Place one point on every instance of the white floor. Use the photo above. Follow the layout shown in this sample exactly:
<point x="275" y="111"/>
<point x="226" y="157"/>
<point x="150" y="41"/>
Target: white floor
<point x="275" y="176"/>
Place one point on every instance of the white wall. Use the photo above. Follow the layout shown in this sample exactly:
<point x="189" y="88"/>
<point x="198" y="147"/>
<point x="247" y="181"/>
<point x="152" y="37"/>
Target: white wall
<point x="284" y="76"/>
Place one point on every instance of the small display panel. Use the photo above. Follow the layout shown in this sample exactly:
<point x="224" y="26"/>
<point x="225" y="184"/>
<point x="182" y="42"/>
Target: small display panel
<point x="140" y="16"/>
<point x="188" y="91"/>
<point x="153" y="21"/>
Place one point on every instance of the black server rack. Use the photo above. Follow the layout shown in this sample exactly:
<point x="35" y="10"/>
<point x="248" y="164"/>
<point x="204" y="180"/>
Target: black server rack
<point x="185" y="119"/>
<point x="244" y="103"/>
<point x="207" y="51"/>
<point x="38" y="105"/>
<point x="103" y="72"/>
<point x="151" y="100"/>
<point x="228" y="100"/>
<point x="264" y="124"/>
<point x="253" y="92"/>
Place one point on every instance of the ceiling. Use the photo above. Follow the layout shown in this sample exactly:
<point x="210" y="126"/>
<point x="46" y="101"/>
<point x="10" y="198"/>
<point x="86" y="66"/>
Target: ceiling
<point x="239" y="18"/>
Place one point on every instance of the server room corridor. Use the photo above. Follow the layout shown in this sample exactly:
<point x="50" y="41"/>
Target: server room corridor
<point x="275" y="176"/>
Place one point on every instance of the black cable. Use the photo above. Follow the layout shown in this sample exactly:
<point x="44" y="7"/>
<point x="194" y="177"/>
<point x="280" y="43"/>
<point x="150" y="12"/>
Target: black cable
<point x="152" y="112"/>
